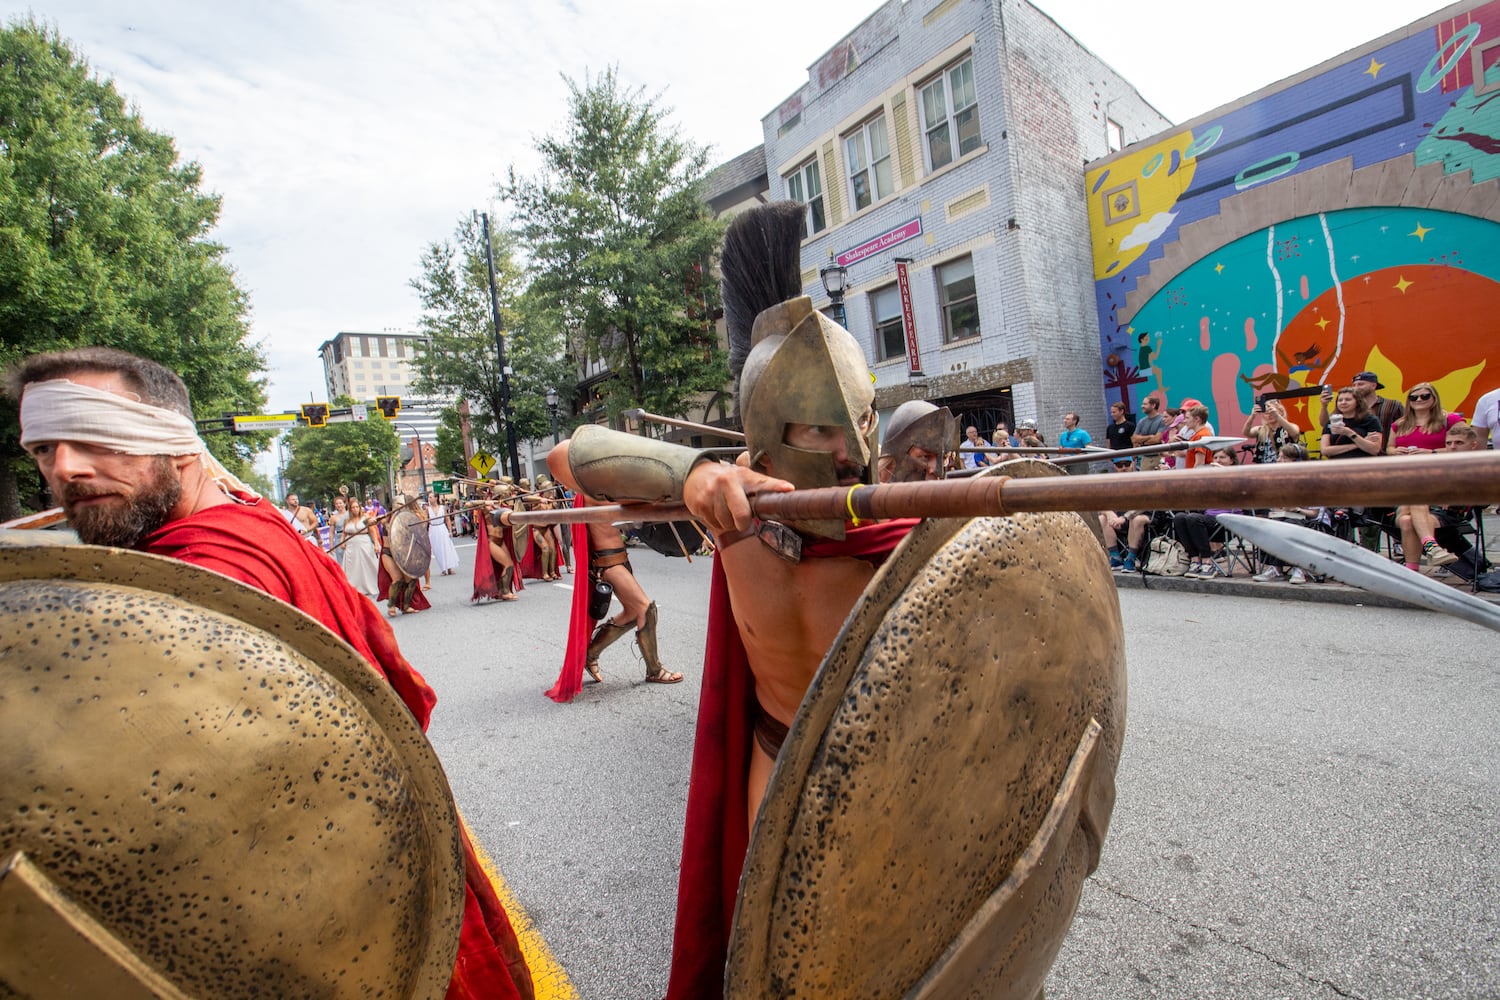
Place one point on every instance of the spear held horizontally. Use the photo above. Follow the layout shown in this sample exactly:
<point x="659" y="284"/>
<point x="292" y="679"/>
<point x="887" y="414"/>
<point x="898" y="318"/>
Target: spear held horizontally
<point x="1073" y="456"/>
<point x="1426" y="479"/>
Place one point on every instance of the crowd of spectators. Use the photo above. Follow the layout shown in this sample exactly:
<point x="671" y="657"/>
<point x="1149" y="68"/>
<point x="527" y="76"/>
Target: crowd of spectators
<point x="1350" y="422"/>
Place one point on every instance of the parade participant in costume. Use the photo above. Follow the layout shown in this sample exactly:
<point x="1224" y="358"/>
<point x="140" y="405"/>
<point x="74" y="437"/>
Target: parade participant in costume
<point x="301" y="518"/>
<point x="780" y="593"/>
<point x="540" y="560"/>
<point x="610" y="576"/>
<point x="918" y="437"/>
<point x="361" y="558"/>
<point x="113" y="435"/>
<point x="398" y="588"/>
<point x="440" y="535"/>
<point x="562" y="539"/>
<point x="495" y="562"/>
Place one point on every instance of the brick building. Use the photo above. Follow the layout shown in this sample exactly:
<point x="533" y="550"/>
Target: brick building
<point x="954" y="135"/>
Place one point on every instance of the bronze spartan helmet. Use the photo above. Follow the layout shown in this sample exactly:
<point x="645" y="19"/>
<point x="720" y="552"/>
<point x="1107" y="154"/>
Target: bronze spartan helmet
<point x="211" y="799"/>
<point x="918" y="424"/>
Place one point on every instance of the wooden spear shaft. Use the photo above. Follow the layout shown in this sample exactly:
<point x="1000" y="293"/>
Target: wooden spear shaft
<point x="1381" y="482"/>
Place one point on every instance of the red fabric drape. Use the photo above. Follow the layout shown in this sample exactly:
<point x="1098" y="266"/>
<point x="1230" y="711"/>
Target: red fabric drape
<point x="251" y="542"/>
<point x="580" y="625"/>
<point x="531" y="562"/>
<point x="716" y="834"/>
<point x="419" y="601"/>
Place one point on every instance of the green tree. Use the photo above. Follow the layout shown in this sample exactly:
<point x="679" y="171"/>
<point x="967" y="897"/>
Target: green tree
<point x="104" y="240"/>
<point x="459" y="358"/>
<point x="357" y="454"/>
<point x="448" y="453"/>
<point x="622" y="243"/>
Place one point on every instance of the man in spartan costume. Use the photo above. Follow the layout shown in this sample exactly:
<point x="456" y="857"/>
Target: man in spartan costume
<point x="497" y="573"/>
<point x="806" y="401"/>
<point x="919" y="436"/>
<point x="114" y="437"/>
<point x="779" y="623"/>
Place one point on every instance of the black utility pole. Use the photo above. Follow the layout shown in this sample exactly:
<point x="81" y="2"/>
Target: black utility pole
<point x="510" y="426"/>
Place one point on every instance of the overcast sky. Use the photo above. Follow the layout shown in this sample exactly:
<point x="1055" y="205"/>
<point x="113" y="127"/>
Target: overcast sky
<point x="345" y="136"/>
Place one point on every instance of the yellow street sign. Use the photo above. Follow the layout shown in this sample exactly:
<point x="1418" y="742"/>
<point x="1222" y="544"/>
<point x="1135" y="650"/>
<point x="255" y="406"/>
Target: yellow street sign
<point x="482" y="462"/>
<point x="265" y="422"/>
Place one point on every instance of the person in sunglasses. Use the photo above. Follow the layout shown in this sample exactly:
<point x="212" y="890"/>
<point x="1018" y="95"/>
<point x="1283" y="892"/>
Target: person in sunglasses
<point x="1424" y="425"/>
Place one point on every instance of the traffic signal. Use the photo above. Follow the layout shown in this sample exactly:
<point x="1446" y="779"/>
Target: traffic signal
<point x="316" y="414"/>
<point x="389" y="406"/>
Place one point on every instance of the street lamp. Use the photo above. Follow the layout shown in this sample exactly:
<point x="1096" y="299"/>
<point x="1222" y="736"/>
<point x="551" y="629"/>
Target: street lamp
<point x="552" y="405"/>
<point x="836" y="283"/>
<point x="510" y="424"/>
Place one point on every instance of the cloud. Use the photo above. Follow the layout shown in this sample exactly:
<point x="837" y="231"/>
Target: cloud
<point x="1147" y="231"/>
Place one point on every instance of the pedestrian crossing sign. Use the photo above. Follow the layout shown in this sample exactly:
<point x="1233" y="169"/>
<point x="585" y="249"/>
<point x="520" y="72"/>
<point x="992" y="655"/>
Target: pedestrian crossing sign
<point x="482" y="462"/>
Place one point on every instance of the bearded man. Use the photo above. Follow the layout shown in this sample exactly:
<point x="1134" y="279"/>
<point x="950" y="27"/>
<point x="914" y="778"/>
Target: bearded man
<point x="113" y="435"/>
<point x="301" y="518"/>
<point x="806" y="399"/>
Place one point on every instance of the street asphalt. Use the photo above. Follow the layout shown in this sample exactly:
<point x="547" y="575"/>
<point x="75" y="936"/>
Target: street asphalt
<point x="1307" y="801"/>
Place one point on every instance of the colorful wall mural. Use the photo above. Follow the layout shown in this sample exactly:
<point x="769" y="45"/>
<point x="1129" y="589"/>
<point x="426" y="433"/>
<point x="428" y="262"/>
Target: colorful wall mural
<point x="1349" y="221"/>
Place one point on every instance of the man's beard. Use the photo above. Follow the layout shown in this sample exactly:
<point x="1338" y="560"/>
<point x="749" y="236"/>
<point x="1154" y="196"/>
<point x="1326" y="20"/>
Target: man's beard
<point x="848" y="470"/>
<point x="124" y="520"/>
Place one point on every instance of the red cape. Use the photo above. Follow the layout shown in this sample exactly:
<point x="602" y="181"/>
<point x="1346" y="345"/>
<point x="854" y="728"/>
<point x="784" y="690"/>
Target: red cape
<point x="251" y="542"/>
<point x="531" y="562"/>
<point x="717" y="833"/>
<point x="580" y="625"/>
<point x="419" y="601"/>
<point x="486" y="570"/>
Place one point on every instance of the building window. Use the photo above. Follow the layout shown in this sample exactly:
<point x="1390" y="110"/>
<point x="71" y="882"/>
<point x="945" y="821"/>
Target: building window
<point x="885" y="319"/>
<point x="950" y="115"/>
<point x="1114" y="135"/>
<point x="959" y="300"/>
<point x="805" y="184"/>
<point x="869" y="158"/>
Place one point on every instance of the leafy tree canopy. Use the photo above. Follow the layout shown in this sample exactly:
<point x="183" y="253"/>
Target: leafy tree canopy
<point x="460" y="359"/>
<point x="104" y="240"/>
<point x="622" y="244"/>
<point x="357" y="454"/>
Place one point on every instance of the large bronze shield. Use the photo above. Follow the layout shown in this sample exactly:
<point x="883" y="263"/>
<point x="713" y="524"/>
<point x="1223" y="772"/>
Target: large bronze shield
<point x="948" y="780"/>
<point x="410" y="544"/>
<point x="207" y="797"/>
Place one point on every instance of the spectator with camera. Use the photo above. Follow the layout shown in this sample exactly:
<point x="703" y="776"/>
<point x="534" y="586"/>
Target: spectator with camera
<point x="1269" y="430"/>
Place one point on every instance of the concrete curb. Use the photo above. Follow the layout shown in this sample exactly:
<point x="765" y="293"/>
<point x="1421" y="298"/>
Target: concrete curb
<point x="1317" y="593"/>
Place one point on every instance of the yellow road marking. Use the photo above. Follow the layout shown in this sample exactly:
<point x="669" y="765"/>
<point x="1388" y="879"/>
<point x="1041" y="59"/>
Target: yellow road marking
<point x="547" y="976"/>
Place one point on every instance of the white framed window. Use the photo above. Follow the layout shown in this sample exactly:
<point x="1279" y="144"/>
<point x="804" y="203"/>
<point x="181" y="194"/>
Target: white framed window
<point x="959" y="299"/>
<point x="868" y="154"/>
<point x="1114" y="135"/>
<point x="885" y="320"/>
<point x="805" y="184"/>
<point x="950" y="115"/>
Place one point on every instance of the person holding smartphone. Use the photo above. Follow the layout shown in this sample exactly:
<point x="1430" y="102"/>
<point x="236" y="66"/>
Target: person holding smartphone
<point x="1352" y="431"/>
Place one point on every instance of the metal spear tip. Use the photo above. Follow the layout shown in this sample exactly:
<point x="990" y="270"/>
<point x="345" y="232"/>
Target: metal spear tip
<point x="634" y="413"/>
<point x="1323" y="554"/>
<point x="1218" y="443"/>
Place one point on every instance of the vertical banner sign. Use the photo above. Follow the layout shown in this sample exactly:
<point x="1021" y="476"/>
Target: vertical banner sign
<point x="908" y="320"/>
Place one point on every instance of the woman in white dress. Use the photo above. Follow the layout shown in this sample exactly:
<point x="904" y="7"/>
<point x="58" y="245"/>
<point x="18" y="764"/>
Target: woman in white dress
<point x="444" y="554"/>
<point x="361" y="556"/>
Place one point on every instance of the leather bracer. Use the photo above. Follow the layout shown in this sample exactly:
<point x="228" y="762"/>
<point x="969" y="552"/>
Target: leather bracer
<point x="623" y="468"/>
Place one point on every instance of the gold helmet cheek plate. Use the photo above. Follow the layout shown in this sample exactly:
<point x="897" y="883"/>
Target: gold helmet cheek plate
<point x="229" y="797"/>
<point x="947" y="782"/>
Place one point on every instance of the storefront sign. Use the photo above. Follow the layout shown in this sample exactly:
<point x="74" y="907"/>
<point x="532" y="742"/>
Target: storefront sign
<point x="884" y="241"/>
<point x="908" y="318"/>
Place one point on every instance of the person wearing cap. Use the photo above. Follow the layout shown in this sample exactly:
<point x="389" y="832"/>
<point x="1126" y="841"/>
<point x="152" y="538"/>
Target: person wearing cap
<point x="1366" y="386"/>
<point x="1030" y="436"/>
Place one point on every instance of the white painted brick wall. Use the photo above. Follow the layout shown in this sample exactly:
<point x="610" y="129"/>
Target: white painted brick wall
<point x="1035" y="283"/>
